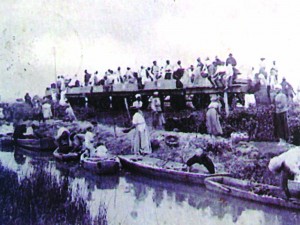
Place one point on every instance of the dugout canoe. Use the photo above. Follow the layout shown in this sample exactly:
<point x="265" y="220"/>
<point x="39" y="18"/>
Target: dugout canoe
<point x="71" y="156"/>
<point x="39" y="144"/>
<point x="262" y="193"/>
<point x="100" y="165"/>
<point x="158" y="168"/>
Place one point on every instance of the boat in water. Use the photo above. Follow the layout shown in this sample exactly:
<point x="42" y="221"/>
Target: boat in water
<point x="245" y="189"/>
<point x="164" y="169"/>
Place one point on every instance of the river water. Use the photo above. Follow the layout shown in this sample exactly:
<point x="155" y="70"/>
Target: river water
<point x="36" y="189"/>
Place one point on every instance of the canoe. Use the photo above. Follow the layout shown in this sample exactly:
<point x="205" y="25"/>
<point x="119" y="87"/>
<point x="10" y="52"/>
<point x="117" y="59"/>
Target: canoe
<point x="164" y="169"/>
<point x="41" y="144"/>
<point x="71" y="156"/>
<point x="262" y="193"/>
<point x="100" y="165"/>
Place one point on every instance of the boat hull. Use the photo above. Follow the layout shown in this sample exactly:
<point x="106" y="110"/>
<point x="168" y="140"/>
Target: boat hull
<point x="100" y="165"/>
<point x="169" y="170"/>
<point x="242" y="189"/>
<point x="71" y="156"/>
<point x="43" y="144"/>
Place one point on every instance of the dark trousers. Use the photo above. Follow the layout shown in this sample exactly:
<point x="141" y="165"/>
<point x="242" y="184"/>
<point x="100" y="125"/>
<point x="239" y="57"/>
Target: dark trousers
<point x="281" y="129"/>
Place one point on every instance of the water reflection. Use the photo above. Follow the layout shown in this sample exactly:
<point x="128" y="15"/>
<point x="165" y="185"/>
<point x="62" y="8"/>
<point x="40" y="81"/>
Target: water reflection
<point x="45" y="189"/>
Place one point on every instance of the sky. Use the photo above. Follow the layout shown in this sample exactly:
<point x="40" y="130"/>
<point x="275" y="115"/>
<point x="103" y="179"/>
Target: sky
<point x="41" y="39"/>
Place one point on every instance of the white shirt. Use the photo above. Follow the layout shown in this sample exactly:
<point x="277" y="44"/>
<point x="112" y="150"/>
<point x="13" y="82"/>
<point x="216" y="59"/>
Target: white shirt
<point x="89" y="140"/>
<point x="291" y="159"/>
<point x="139" y="121"/>
<point x="46" y="108"/>
<point x="137" y="104"/>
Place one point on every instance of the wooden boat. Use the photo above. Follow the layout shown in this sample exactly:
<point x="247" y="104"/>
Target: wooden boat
<point x="100" y="165"/>
<point x="262" y="193"/>
<point x="71" y="156"/>
<point x="164" y="169"/>
<point x="41" y="144"/>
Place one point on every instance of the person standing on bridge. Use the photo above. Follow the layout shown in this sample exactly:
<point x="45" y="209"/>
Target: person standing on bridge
<point x="168" y="70"/>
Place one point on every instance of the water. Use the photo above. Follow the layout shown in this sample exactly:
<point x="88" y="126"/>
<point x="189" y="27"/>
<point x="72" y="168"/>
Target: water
<point x="36" y="189"/>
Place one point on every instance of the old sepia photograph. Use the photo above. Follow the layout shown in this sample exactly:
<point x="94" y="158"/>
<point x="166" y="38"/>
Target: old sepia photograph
<point x="149" y="112"/>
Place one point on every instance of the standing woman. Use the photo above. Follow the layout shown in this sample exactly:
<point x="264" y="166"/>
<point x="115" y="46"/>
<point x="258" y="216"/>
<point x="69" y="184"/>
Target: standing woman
<point x="213" y="117"/>
<point x="141" y="140"/>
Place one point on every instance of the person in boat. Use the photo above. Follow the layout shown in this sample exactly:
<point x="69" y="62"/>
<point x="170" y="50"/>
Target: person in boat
<point x="89" y="138"/>
<point x="77" y="140"/>
<point x="141" y="140"/>
<point x="281" y="129"/>
<point x="63" y="140"/>
<point x="288" y="164"/>
<point x="158" y="119"/>
<point x="168" y="70"/>
<point x="213" y="124"/>
<point x="201" y="158"/>
<point x="19" y="131"/>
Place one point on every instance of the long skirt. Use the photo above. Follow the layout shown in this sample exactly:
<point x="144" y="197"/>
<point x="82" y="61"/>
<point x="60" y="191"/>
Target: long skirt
<point x="141" y="142"/>
<point x="281" y="129"/>
<point x="213" y="122"/>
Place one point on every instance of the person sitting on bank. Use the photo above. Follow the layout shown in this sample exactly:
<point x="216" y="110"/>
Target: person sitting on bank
<point x="287" y="164"/>
<point x="63" y="140"/>
<point x="141" y="141"/>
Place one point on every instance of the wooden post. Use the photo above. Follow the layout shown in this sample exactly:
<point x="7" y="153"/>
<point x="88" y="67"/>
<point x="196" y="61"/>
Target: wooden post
<point x="226" y="103"/>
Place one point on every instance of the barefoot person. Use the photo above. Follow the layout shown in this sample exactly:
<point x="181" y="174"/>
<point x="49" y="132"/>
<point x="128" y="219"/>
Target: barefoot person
<point x="141" y="142"/>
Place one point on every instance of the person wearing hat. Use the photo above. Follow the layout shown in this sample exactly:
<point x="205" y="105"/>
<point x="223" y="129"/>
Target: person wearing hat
<point x="213" y="117"/>
<point x="158" y="119"/>
<point x="138" y="101"/>
<point x="141" y="140"/>
<point x="281" y="129"/>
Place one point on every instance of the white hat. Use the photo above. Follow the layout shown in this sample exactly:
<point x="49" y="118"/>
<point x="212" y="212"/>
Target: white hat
<point x="155" y="93"/>
<point x="137" y="95"/>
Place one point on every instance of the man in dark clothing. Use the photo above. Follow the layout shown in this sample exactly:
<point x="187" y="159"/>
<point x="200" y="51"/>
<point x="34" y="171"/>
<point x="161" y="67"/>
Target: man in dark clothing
<point x="28" y="99"/>
<point x="87" y="77"/>
<point x="231" y="60"/>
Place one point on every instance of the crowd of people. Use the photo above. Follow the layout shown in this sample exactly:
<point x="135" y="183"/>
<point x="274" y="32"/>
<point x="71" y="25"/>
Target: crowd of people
<point x="216" y="73"/>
